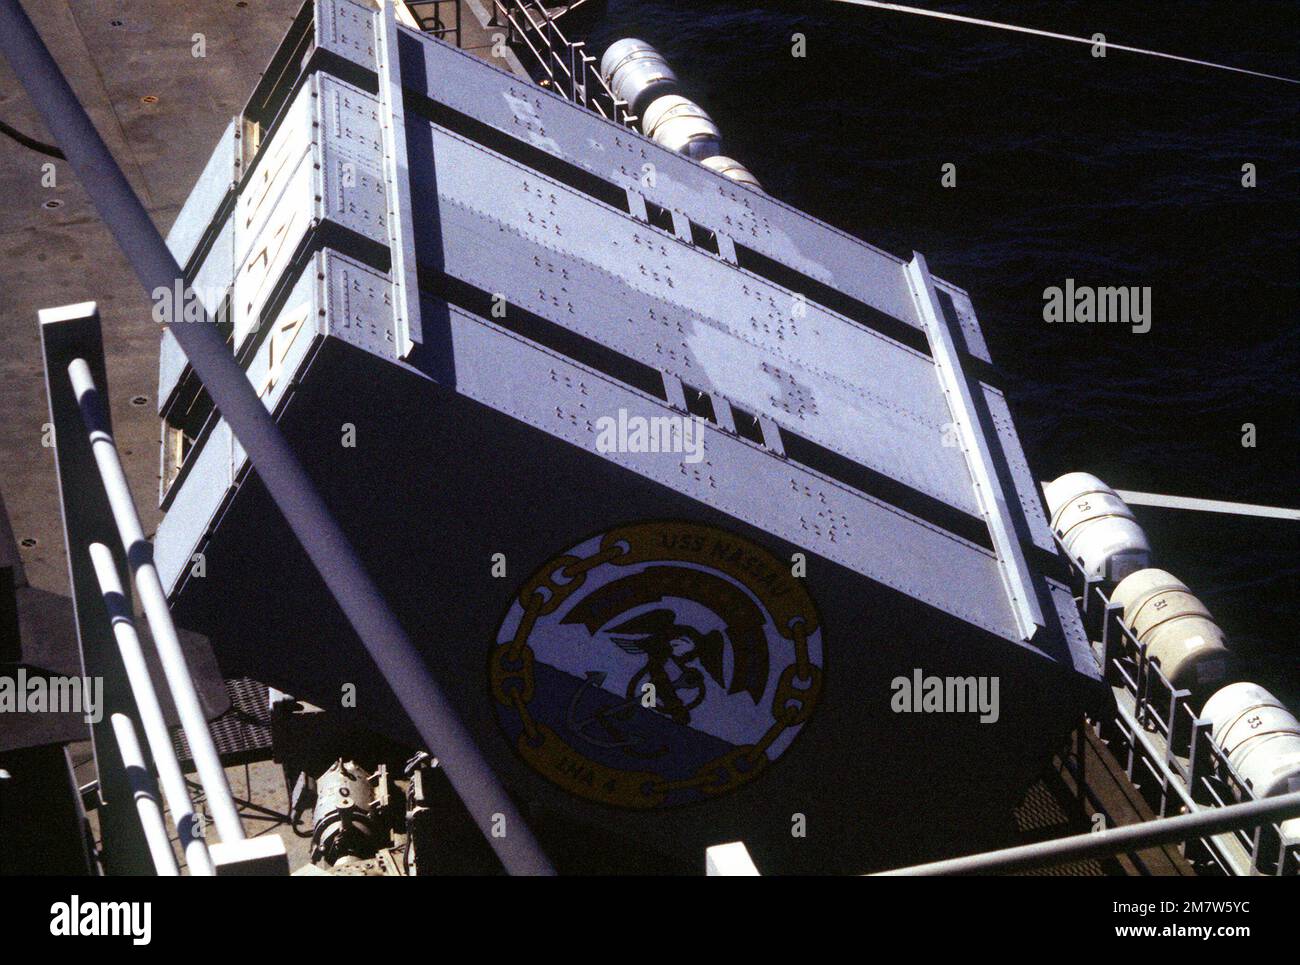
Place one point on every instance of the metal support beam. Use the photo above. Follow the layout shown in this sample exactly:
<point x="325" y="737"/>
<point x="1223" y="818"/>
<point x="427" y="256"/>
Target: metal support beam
<point x="401" y="228"/>
<point x="988" y="490"/>
<point x="279" y="469"/>
<point x="1102" y="844"/>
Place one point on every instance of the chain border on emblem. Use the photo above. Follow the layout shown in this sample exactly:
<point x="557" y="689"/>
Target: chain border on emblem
<point x="513" y="685"/>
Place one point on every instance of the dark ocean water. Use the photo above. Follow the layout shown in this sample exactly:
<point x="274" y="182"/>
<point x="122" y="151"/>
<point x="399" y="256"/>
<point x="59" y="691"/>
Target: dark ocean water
<point x="1118" y="171"/>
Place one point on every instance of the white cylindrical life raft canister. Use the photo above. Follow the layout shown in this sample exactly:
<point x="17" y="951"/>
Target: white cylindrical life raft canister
<point x="636" y="73"/>
<point x="733" y="169"/>
<point x="1179" y="633"/>
<point x="1096" y="527"/>
<point x="1260" y="737"/>
<point x="1262" y="740"/>
<point x="683" y="126"/>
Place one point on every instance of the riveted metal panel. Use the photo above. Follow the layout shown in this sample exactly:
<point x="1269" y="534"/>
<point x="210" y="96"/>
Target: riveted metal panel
<point x="347" y="28"/>
<point x="200" y="208"/>
<point x="194" y="505"/>
<point x="967" y="324"/>
<point x="1065" y="612"/>
<point x="324" y="163"/>
<point x="650" y="295"/>
<point x="864" y="534"/>
<point x="626" y="158"/>
<point x="334" y="295"/>
<point x="1027" y="491"/>
<point x="359" y="305"/>
<point x="644" y="293"/>
<point x="351" y="158"/>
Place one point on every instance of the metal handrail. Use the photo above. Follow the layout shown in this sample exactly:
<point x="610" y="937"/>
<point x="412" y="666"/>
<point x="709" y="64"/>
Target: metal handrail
<point x="156" y="734"/>
<point x="1133" y="837"/>
<point x="1203" y="778"/>
<point x="450" y="33"/>
<point x="146" y="804"/>
<point x="569" y="70"/>
<point x="139" y="555"/>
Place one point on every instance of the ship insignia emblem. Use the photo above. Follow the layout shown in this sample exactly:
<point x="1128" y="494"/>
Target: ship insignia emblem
<point x="657" y="665"/>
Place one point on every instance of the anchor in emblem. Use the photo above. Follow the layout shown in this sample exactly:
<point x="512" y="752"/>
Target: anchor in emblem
<point x="607" y="719"/>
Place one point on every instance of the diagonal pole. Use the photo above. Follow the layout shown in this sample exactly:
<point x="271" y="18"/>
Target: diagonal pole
<point x="293" y="492"/>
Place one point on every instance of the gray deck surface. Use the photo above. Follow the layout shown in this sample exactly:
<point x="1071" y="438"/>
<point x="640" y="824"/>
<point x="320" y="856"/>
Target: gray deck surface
<point x="115" y="53"/>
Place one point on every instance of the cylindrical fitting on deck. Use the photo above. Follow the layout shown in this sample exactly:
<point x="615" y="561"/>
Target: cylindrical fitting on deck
<point x="344" y="820"/>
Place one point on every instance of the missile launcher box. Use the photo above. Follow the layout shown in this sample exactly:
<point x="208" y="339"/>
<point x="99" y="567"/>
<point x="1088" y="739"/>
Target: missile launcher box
<point x="710" y="519"/>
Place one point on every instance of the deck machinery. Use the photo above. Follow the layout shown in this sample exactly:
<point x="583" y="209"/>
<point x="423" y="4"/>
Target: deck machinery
<point x="680" y="491"/>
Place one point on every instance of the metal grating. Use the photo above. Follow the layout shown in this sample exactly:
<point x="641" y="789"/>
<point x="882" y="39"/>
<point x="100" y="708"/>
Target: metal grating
<point x="243" y="733"/>
<point x="1044" y="815"/>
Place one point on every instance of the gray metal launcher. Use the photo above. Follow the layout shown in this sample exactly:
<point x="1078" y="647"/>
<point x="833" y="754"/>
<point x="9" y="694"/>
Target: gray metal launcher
<point x="687" y="497"/>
